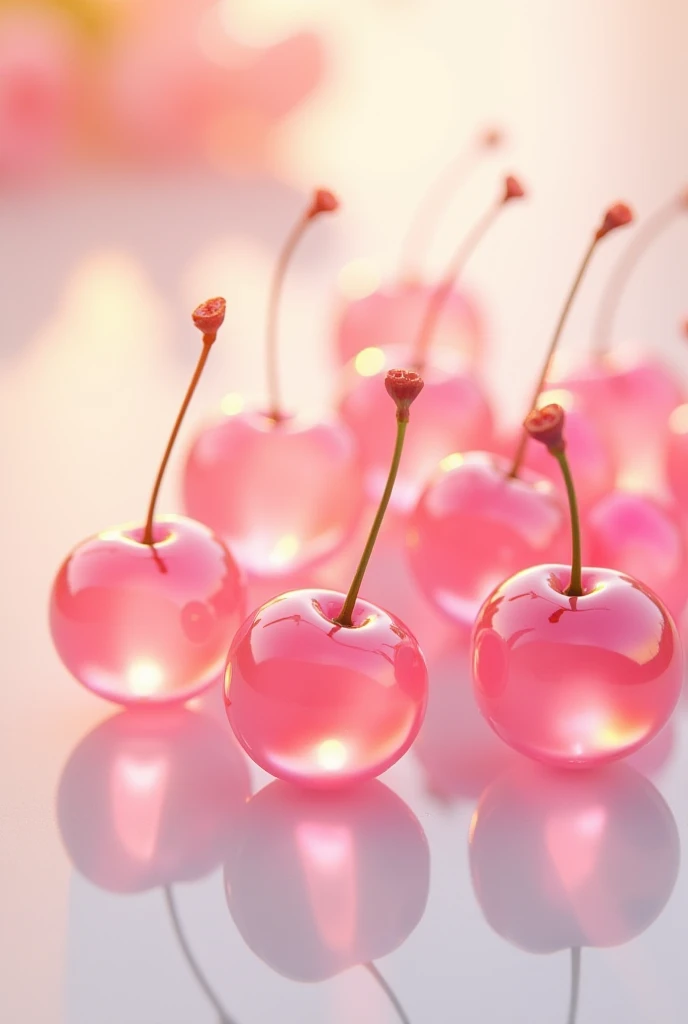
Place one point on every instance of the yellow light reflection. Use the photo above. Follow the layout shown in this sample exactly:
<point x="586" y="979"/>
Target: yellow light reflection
<point x="557" y="396"/>
<point x="678" y="421"/>
<point x="358" y="279"/>
<point x="369" y="361"/>
<point x="284" y="550"/>
<point x="452" y="461"/>
<point x="613" y="734"/>
<point x="232" y="403"/>
<point x="145" y="677"/>
<point x="331" y="755"/>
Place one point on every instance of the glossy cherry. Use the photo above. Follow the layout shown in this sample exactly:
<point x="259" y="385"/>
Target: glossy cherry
<point x="372" y="317"/>
<point x="455" y="414"/>
<point x="641" y="535"/>
<point x="143" y="613"/>
<point x="319" y="883"/>
<point x="630" y="395"/>
<point x="481" y="518"/>
<point x="574" y="666"/>
<point x="285" y="492"/>
<point x="323" y="688"/>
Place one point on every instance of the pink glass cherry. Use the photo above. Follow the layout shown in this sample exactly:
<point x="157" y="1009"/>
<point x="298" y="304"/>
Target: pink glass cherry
<point x="143" y="614"/>
<point x="147" y="800"/>
<point x="630" y="396"/>
<point x="574" y="667"/>
<point x="393" y="313"/>
<point x="480" y="517"/>
<point x="455" y="415"/>
<point x="326" y="689"/>
<point x="641" y="535"/>
<point x="321" y="883"/>
<point x="567" y="860"/>
<point x="284" y="491"/>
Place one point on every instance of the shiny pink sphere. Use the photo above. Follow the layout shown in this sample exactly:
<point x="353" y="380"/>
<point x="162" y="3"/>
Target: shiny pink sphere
<point x="392" y="315"/>
<point x="630" y="405"/>
<point x="453" y="414"/>
<point x="575" y="681"/>
<point x="676" y="456"/>
<point x="151" y="798"/>
<point x="322" y="882"/>
<point x="283" y="495"/>
<point x="141" y="624"/>
<point x="640" y="535"/>
<point x="561" y="860"/>
<point x="592" y="465"/>
<point x="320" y="704"/>
<point x="474" y="525"/>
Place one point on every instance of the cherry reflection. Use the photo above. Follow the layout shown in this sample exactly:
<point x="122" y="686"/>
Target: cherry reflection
<point x="563" y="860"/>
<point x="319" y="883"/>
<point x="151" y="797"/>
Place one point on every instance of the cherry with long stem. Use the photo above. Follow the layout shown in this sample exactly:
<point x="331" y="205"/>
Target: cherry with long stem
<point x="322" y="202"/>
<point x="455" y="174"/>
<point x="616" y="216"/>
<point x="652" y="228"/>
<point x="208" y="318"/>
<point x="512" y="190"/>
<point x="547" y="426"/>
<point x="403" y="386"/>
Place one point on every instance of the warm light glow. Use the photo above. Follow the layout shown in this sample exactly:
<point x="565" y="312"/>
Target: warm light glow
<point x="284" y="550"/>
<point x="472" y="827"/>
<point x="358" y="279"/>
<point x="145" y="677"/>
<point x="557" y="396"/>
<point x="678" y="421"/>
<point x="452" y="461"/>
<point x="331" y="755"/>
<point x="232" y="403"/>
<point x="327" y="846"/>
<point x="369" y="361"/>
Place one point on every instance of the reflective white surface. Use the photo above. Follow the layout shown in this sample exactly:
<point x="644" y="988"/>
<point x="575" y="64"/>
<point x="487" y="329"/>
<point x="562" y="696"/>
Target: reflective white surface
<point x="117" y="850"/>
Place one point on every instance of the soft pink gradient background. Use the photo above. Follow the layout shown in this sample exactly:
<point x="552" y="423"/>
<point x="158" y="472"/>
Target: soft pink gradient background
<point x="101" y="270"/>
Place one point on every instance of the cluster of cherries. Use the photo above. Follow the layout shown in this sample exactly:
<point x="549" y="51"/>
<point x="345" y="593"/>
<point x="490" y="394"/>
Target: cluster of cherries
<point x="572" y="666"/>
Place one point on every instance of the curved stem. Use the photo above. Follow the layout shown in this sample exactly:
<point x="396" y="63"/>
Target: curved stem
<point x="275" y="409"/>
<point x="650" y="229"/>
<point x="344" y="617"/>
<point x="208" y="340"/>
<point x="561" y="323"/>
<point x="384" y="985"/>
<point x="575" y="985"/>
<point x="424" y="223"/>
<point x="575" y="587"/>
<point x="443" y="290"/>
<point x="223" y="1017"/>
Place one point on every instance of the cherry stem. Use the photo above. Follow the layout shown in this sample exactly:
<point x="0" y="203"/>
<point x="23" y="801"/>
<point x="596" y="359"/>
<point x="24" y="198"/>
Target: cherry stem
<point x="344" y="617"/>
<point x="558" y="330"/>
<point x="650" y="229"/>
<point x="424" y="223"/>
<point x="386" y="988"/>
<point x="208" y="340"/>
<point x="575" y="587"/>
<point x="223" y="1017"/>
<point x="443" y="290"/>
<point x="575" y="985"/>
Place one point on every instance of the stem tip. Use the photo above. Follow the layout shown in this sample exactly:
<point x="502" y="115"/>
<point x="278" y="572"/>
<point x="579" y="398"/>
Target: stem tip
<point x="617" y="216"/>
<point x="547" y="426"/>
<point x="513" y="189"/>
<point x="403" y="386"/>
<point x="209" y="316"/>
<point x="323" y="201"/>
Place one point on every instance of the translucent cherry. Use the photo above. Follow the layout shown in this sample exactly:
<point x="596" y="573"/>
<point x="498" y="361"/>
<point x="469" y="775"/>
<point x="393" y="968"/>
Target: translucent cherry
<point x="571" y="666"/>
<point x="284" y="492"/>
<point x="456" y="414"/>
<point x="480" y="517"/>
<point x="326" y="689"/>
<point x="319" y="883"/>
<point x="676" y="456"/>
<point x="641" y="535"/>
<point x="392" y="314"/>
<point x="143" y="613"/>
<point x="630" y="395"/>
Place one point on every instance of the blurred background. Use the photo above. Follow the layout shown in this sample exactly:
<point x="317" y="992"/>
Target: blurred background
<point x="156" y="152"/>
